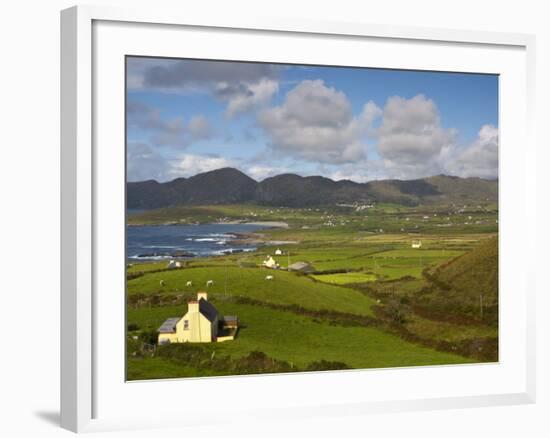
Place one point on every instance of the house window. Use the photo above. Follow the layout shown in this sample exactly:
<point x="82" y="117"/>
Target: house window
<point x="185" y="324"/>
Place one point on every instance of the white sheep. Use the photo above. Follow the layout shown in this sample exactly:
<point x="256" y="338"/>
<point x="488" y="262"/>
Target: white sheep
<point x="162" y="283"/>
<point x="269" y="277"/>
<point x="189" y="284"/>
<point x="209" y="283"/>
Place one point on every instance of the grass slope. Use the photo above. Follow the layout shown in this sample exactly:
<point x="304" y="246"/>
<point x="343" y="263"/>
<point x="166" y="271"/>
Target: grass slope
<point x="296" y="339"/>
<point x="475" y="273"/>
<point x="348" y="278"/>
<point x="285" y="288"/>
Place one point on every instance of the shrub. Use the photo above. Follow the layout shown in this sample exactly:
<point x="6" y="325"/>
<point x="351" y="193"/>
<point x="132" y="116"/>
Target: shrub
<point x="149" y="337"/>
<point x="396" y="310"/>
<point x="133" y="327"/>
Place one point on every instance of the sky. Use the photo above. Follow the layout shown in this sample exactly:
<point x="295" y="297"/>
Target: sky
<point x="187" y="116"/>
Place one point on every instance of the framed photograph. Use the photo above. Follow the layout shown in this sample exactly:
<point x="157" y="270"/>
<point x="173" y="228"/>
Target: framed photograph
<point x="257" y="209"/>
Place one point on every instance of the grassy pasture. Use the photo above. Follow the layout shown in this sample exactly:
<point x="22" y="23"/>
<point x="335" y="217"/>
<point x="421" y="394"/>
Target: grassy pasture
<point x="348" y="278"/>
<point x="363" y="256"/>
<point x="315" y="255"/>
<point x="330" y="222"/>
<point x="298" y="340"/>
<point x="146" y="267"/>
<point x="388" y="261"/>
<point x="447" y="331"/>
<point x="419" y="253"/>
<point x="285" y="288"/>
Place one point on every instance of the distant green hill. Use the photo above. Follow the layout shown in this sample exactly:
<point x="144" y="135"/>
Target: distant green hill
<point x="230" y="186"/>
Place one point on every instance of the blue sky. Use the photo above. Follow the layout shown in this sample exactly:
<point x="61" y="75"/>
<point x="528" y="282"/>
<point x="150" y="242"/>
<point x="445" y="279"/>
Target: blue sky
<point x="189" y="116"/>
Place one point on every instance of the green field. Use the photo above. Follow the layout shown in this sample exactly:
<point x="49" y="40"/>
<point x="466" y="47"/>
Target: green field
<point x="346" y="278"/>
<point x="372" y="300"/>
<point x="285" y="288"/>
<point x="300" y="341"/>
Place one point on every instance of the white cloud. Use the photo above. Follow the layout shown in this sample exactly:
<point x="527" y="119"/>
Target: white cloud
<point x="261" y="172"/>
<point x="137" y="68"/>
<point x="144" y="163"/>
<point x="249" y="96"/>
<point x="361" y="171"/>
<point x="411" y="140"/>
<point x="315" y="123"/>
<point x="181" y="73"/>
<point x="371" y="112"/>
<point x="172" y="132"/>
<point x="480" y="158"/>
<point x="187" y="165"/>
<point x="242" y="86"/>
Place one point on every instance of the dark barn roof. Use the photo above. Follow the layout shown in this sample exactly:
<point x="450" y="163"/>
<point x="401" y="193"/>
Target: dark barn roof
<point x="208" y="310"/>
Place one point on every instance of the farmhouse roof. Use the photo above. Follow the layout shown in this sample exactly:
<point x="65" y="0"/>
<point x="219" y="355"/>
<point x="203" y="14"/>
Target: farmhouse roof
<point x="169" y="326"/>
<point x="208" y="310"/>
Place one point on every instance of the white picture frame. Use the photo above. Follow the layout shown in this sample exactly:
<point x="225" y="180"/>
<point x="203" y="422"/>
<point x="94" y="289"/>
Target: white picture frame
<point x="87" y="392"/>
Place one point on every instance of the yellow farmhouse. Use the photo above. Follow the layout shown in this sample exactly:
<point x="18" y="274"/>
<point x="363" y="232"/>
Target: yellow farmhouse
<point x="201" y="323"/>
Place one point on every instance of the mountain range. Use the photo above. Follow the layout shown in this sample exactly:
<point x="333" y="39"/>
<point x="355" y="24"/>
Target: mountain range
<point x="231" y="186"/>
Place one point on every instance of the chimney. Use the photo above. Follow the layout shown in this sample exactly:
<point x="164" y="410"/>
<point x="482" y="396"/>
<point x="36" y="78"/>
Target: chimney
<point x="193" y="306"/>
<point x="202" y="295"/>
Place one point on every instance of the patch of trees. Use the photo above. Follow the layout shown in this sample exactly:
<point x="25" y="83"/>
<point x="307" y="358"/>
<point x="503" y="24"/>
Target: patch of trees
<point x="336" y="271"/>
<point x="396" y="310"/>
<point x="132" y="327"/>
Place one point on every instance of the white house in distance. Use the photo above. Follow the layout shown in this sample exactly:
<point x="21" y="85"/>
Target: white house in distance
<point x="270" y="262"/>
<point x="416" y="244"/>
<point x="201" y="323"/>
<point x="278" y="252"/>
<point x="173" y="264"/>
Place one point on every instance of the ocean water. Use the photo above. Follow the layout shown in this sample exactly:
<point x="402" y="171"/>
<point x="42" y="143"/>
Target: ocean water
<point x="183" y="241"/>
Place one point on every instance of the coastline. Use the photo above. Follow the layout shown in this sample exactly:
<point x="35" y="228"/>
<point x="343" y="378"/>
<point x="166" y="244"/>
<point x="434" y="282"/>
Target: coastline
<point x="258" y="239"/>
<point x="255" y="238"/>
<point x="264" y="224"/>
<point x="267" y="224"/>
<point x="239" y="240"/>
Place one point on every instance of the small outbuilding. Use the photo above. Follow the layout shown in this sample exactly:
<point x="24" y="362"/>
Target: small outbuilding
<point x="304" y="267"/>
<point x="278" y="252"/>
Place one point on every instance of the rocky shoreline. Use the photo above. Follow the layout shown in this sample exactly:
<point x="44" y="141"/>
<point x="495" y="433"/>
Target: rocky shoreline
<point x="176" y="255"/>
<point x="258" y="239"/>
<point x="267" y="224"/>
